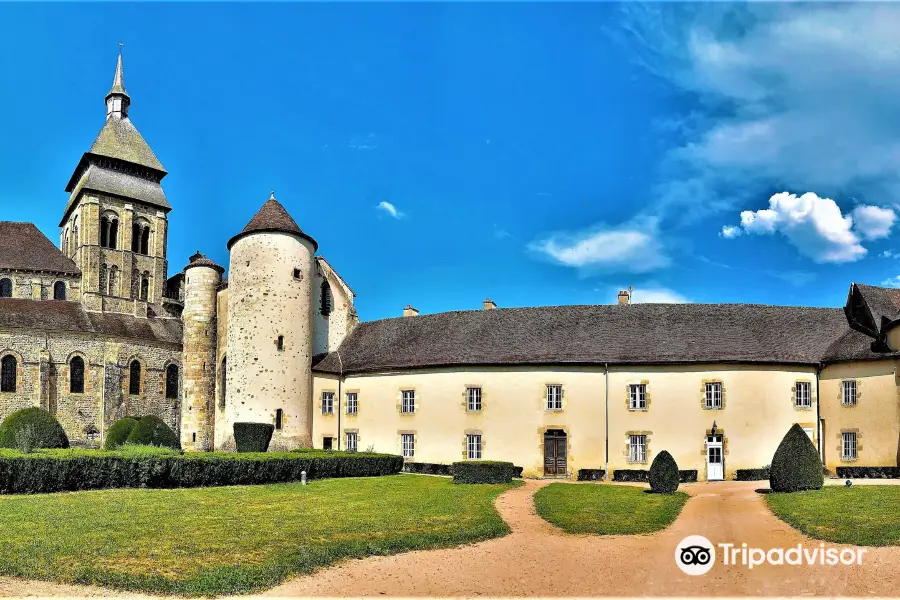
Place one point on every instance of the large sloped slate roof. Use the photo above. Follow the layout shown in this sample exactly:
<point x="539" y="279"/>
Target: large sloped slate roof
<point x="272" y="217"/>
<point x="61" y="315"/>
<point x="598" y="334"/>
<point x="24" y="247"/>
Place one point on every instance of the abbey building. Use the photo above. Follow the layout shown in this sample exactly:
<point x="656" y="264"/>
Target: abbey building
<point x="95" y="329"/>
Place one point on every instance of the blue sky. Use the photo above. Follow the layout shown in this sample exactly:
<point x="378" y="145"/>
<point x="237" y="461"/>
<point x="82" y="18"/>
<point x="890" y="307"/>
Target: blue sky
<point x="538" y="154"/>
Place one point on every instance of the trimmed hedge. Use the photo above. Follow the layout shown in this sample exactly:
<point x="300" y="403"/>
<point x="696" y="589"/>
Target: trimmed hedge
<point x="752" y="474"/>
<point x="643" y="475"/>
<point x="591" y="474"/>
<point x="664" y="476"/>
<point x="153" y="431"/>
<point x="118" y="433"/>
<point x="46" y="432"/>
<point x="426" y="468"/>
<point x="253" y="437"/>
<point x="868" y="472"/>
<point x="796" y="465"/>
<point x="482" y="471"/>
<point x="72" y="470"/>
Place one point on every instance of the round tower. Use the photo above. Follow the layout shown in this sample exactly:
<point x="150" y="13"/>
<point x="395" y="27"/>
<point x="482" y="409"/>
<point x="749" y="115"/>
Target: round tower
<point x="201" y="280"/>
<point x="270" y="327"/>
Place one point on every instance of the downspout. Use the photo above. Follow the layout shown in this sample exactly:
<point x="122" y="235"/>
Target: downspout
<point x="606" y="459"/>
<point x="819" y="415"/>
<point x="340" y="379"/>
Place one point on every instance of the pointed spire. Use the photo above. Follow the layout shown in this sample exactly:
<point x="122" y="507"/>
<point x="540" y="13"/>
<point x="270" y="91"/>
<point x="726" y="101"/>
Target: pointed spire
<point x="118" y="100"/>
<point x="272" y="217"/>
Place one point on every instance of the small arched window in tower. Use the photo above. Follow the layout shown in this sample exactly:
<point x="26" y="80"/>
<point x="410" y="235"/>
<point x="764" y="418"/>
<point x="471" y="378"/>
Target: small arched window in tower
<point x="135" y="284"/>
<point x="113" y="240"/>
<point x="135" y="237"/>
<point x="172" y="382"/>
<point x="279" y="419"/>
<point x="223" y="384"/>
<point x="76" y="375"/>
<point x="5" y="288"/>
<point x="145" y="240"/>
<point x="59" y="290"/>
<point x="104" y="231"/>
<point x="75" y="239"/>
<point x="8" y="367"/>
<point x="104" y="278"/>
<point x="280" y="343"/>
<point x="134" y="378"/>
<point x="327" y="300"/>
<point x="114" y="280"/>
<point x="145" y="287"/>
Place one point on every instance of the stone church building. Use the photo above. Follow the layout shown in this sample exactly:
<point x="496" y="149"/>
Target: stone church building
<point x="96" y="329"/>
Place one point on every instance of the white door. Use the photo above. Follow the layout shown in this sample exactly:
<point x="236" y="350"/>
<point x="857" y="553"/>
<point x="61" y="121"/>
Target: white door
<point x="715" y="462"/>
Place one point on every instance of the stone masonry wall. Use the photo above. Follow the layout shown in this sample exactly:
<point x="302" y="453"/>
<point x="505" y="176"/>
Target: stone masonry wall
<point x="200" y="332"/>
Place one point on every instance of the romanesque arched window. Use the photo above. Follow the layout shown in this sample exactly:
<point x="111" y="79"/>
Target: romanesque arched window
<point x="8" y="368"/>
<point x="104" y="278"/>
<point x="145" y="240"/>
<point x="172" y="382"/>
<point x="59" y="290"/>
<point x="145" y="286"/>
<point x="222" y="384"/>
<point x="109" y="231"/>
<point x="114" y="280"/>
<point x="104" y="231"/>
<point x="135" y="284"/>
<point x="113" y="233"/>
<point x="134" y="378"/>
<point x="5" y="288"/>
<point x="135" y="237"/>
<point x="326" y="300"/>
<point x="76" y="375"/>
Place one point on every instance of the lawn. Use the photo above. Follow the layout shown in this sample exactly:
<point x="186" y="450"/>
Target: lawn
<point x="862" y="515"/>
<point x="607" y="509"/>
<point x="213" y="541"/>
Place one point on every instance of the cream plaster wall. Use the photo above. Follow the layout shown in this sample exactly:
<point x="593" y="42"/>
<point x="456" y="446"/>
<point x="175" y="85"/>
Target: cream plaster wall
<point x="875" y="418"/>
<point x="266" y="301"/>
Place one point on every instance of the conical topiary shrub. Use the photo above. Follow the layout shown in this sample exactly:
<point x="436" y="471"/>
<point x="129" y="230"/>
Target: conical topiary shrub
<point x="796" y="465"/>
<point x="664" y="474"/>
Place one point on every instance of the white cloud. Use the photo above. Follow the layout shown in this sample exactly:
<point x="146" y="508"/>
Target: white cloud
<point x="795" y="278"/>
<point x="786" y="93"/>
<point x="390" y="209"/>
<point x="656" y="296"/>
<point x="633" y="247"/>
<point x="873" y="222"/>
<point x="889" y="254"/>
<point x="816" y="226"/>
<point x="893" y="282"/>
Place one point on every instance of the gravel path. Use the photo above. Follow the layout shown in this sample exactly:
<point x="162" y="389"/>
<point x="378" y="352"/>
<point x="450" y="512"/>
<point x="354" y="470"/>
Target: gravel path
<point x="537" y="559"/>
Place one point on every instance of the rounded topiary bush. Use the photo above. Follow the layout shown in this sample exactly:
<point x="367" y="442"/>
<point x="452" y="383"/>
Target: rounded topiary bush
<point x="153" y="431"/>
<point x="664" y="474"/>
<point x="796" y="465"/>
<point x="32" y="428"/>
<point x="253" y="437"/>
<point x="118" y="433"/>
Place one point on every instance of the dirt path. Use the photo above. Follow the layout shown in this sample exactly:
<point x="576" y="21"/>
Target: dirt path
<point x="537" y="559"/>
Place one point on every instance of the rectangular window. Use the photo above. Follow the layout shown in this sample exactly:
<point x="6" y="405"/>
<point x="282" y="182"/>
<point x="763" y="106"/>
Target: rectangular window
<point x="408" y="404"/>
<point x="849" y="393"/>
<point x="637" y="448"/>
<point x="473" y="399"/>
<point x="408" y="443"/>
<point x="554" y="397"/>
<point x="848" y="445"/>
<point x="351" y="441"/>
<point x="327" y="443"/>
<point x="637" y="396"/>
<point x="804" y="394"/>
<point x="714" y="395"/>
<point x="327" y="403"/>
<point x="473" y="447"/>
<point x="352" y="403"/>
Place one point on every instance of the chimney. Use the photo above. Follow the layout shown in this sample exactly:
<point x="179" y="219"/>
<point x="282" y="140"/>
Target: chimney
<point x="625" y="296"/>
<point x="489" y="304"/>
<point x="409" y="311"/>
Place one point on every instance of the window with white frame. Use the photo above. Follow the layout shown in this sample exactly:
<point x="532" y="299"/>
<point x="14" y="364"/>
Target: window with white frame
<point x="848" y="395"/>
<point x="554" y="397"/>
<point x="352" y="403"/>
<point x="408" y="403"/>
<point x="327" y="403"/>
<point x="803" y="396"/>
<point x="848" y="445"/>
<point x="473" y="447"/>
<point x="408" y="445"/>
<point x="637" y="396"/>
<point x="473" y="399"/>
<point x="637" y="448"/>
<point x="351" y="441"/>
<point x="714" y="395"/>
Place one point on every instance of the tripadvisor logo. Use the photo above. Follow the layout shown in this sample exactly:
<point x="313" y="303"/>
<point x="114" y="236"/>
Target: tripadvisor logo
<point x="696" y="555"/>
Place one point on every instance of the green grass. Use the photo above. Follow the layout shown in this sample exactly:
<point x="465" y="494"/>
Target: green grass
<point x="860" y="515"/>
<point x="607" y="509"/>
<point x="213" y="541"/>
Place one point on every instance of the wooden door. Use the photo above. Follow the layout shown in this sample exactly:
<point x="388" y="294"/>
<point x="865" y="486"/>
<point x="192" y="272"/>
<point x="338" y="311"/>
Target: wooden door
<point x="549" y="456"/>
<point x="555" y="455"/>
